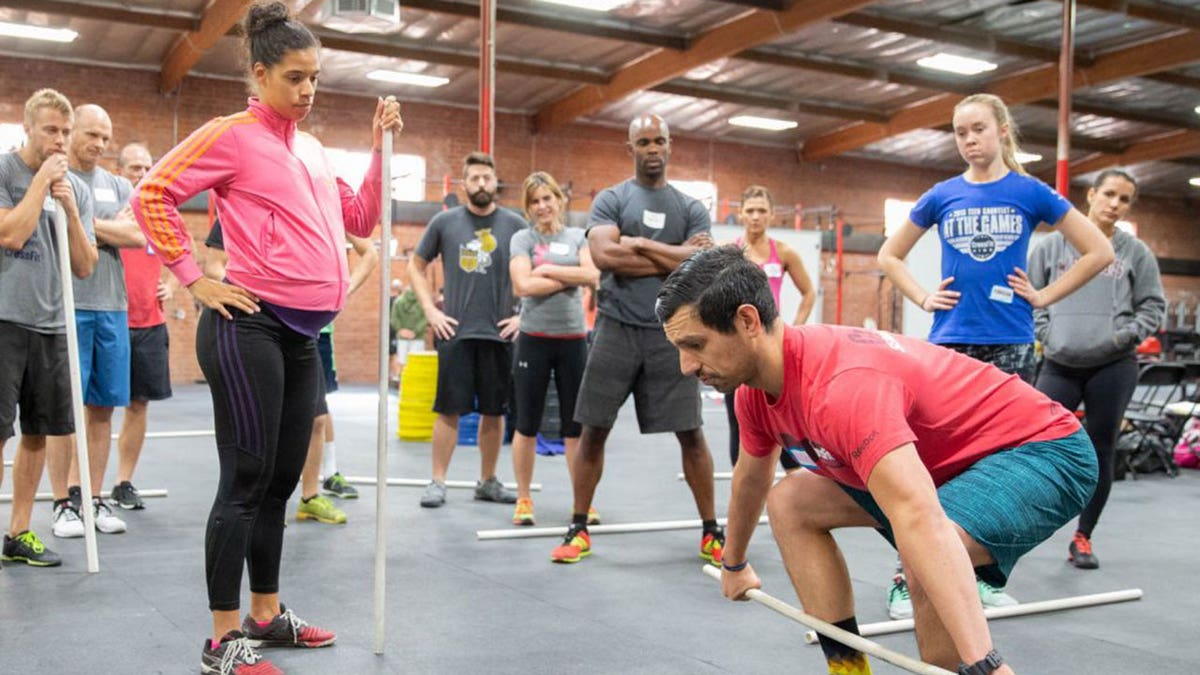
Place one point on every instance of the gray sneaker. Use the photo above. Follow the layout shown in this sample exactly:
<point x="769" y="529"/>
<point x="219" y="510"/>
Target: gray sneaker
<point x="435" y="495"/>
<point x="492" y="490"/>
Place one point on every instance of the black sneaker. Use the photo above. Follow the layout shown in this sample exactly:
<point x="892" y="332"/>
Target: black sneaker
<point x="286" y="630"/>
<point x="234" y="656"/>
<point x="126" y="496"/>
<point x="336" y="486"/>
<point x="75" y="494"/>
<point x="26" y="547"/>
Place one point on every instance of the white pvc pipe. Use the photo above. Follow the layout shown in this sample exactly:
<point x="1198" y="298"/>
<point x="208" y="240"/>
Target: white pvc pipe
<point x="843" y="636"/>
<point x="381" y="444"/>
<point x="422" y="482"/>
<point x="616" y="528"/>
<point x="1023" y="609"/>
<point x="49" y="496"/>
<point x="727" y="475"/>
<point x="81" y="452"/>
<point x="176" y="434"/>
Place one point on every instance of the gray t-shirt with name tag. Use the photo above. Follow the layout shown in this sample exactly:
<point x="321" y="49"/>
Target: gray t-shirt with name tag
<point x="474" y="251"/>
<point x="665" y="215"/>
<point x="559" y="313"/>
<point x="30" y="287"/>
<point x="104" y="290"/>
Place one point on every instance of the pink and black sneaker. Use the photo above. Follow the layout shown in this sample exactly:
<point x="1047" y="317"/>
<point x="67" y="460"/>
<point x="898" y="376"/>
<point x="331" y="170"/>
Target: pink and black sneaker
<point x="234" y="656"/>
<point x="286" y="630"/>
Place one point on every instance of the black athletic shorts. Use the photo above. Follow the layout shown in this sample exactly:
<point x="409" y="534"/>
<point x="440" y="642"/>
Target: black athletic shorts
<point x="149" y="363"/>
<point x="473" y="375"/>
<point x="35" y="375"/>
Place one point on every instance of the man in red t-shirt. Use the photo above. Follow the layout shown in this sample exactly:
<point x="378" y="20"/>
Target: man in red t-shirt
<point x="149" y="368"/>
<point x="956" y="463"/>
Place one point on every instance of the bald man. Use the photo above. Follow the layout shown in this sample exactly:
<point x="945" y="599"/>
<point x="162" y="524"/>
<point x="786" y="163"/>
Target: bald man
<point x="149" y="287"/>
<point x="101" y="316"/>
<point x="638" y="232"/>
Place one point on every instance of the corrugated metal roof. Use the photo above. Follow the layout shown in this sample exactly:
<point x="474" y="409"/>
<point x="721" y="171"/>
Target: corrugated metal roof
<point x="742" y="86"/>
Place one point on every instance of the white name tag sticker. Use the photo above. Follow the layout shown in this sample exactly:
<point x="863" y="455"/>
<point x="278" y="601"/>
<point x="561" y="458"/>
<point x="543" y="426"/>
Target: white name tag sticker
<point x="106" y="195"/>
<point x="1002" y="294"/>
<point x="560" y="248"/>
<point x="773" y="270"/>
<point x="149" y="250"/>
<point x="654" y="220"/>
<point x="48" y="204"/>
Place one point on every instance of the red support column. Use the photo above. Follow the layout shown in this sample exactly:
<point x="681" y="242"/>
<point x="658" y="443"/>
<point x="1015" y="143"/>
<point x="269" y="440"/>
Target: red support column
<point x="1066" y="77"/>
<point x="487" y="74"/>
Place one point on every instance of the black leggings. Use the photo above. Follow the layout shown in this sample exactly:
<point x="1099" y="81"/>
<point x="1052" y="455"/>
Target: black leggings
<point x="535" y="358"/>
<point x="1105" y="391"/>
<point x="735" y="430"/>
<point x="264" y="379"/>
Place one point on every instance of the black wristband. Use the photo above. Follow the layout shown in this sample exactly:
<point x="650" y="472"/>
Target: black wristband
<point x="735" y="568"/>
<point x="985" y="666"/>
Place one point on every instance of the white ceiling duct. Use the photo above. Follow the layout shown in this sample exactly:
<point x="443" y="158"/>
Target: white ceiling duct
<point x="361" y="16"/>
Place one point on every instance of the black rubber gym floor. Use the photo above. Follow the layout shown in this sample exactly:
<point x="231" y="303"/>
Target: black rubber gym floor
<point x="639" y="604"/>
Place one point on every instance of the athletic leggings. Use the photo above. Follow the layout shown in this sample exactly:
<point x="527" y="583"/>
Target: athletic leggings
<point x="533" y="361"/>
<point x="1105" y="391"/>
<point x="264" y="379"/>
<point x="735" y="431"/>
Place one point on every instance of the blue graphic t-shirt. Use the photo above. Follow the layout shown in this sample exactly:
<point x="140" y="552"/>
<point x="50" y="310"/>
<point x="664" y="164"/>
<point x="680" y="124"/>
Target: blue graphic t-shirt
<point x="985" y="230"/>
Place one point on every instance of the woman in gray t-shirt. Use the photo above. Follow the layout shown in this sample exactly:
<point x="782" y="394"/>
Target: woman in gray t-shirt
<point x="549" y="263"/>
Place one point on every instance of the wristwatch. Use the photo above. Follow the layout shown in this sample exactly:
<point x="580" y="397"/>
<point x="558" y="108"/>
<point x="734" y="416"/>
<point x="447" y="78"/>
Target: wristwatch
<point x="985" y="666"/>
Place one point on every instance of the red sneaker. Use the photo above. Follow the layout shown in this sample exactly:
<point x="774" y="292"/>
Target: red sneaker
<point x="1079" y="553"/>
<point x="576" y="546"/>
<point x="286" y="630"/>
<point x="234" y="656"/>
<point x="712" y="546"/>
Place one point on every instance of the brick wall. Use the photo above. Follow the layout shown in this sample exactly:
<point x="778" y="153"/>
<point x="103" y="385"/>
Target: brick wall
<point x="590" y="158"/>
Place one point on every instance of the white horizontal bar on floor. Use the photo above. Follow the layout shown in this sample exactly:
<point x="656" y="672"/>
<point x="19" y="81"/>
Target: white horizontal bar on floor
<point x="422" y="482"/>
<point x="843" y="636"/>
<point x="727" y="475"/>
<point x="1023" y="609"/>
<point x="177" y="434"/>
<point x="49" y="496"/>
<point x="616" y="528"/>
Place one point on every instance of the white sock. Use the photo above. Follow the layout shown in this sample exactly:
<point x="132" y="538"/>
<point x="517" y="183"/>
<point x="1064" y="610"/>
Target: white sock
<point x="329" y="461"/>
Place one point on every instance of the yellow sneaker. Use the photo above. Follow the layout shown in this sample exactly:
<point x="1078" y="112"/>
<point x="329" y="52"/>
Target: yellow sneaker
<point x="523" y="514"/>
<point x="593" y="516"/>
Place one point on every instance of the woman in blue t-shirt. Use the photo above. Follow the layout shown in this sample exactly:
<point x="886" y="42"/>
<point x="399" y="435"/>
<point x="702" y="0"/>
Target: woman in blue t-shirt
<point x="984" y="217"/>
<point x="984" y="305"/>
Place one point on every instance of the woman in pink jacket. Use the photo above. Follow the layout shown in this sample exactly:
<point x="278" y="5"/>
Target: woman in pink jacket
<point x="284" y="215"/>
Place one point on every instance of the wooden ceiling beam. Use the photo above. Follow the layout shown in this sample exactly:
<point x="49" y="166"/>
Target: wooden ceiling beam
<point x="1160" y="12"/>
<point x="217" y="20"/>
<point x="106" y="12"/>
<point x="1032" y="85"/>
<point x="750" y="30"/>
<point x="1165" y="147"/>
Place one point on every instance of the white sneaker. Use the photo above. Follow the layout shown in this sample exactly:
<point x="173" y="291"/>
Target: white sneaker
<point x="899" y="604"/>
<point x="66" y="523"/>
<point x="106" y="522"/>
<point x="990" y="596"/>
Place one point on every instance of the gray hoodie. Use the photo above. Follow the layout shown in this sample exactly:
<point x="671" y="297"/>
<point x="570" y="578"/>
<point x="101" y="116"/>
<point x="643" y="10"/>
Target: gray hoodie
<point x="1110" y="315"/>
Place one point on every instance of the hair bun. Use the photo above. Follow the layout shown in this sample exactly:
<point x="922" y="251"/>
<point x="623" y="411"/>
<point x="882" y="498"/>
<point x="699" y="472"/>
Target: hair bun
<point x="263" y="16"/>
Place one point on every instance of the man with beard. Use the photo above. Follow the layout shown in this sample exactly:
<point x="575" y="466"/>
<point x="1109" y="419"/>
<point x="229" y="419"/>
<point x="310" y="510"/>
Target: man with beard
<point x="638" y="232"/>
<point x="474" y="332"/>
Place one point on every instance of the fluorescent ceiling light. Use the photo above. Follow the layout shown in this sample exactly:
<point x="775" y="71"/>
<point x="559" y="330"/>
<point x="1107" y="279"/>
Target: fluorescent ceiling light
<point x="1028" y="157"/>
<point x="20" y="30"/>
<point x="594" y="5"/>
<point x="961" y="65"/>
<point x="1195" y="182"/>
<point x="1198" y="110"/>
<point x="768" y="123"/>
<point x="415" y="79"/>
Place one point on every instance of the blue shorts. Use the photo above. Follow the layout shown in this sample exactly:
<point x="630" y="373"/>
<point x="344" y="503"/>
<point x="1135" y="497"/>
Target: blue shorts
<point x="103" y="357"/>
<point x="1013" y="499"/>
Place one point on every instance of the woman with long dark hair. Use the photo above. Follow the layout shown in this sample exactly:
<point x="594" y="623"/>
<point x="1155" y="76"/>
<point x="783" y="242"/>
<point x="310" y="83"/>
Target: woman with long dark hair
<point x="284" y="216"/>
